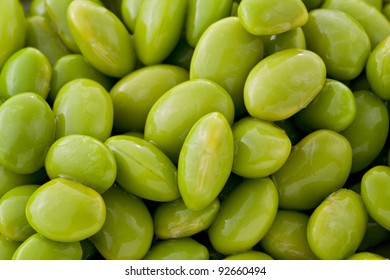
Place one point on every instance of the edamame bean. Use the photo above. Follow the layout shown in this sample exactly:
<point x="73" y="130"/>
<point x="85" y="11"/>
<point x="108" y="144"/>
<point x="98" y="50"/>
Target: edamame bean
<point x="129" y="10"/>
<point x="203" y="13"/>
<point x="12" y="29"/>
<point x="27" y="129"/>
<point x="373" y="21"/>
<point x="249" y="255"/>
<point x="287" y="237"/>
<point x="318" y="165"/>
<point x="155" y="33"/>
<point x="127" y="232"/>
<point x="337" y="226"/>
<point x="378" y="70"/>
<point x="178" y="249"/>
<point x="27" y="70"/>
<point x="142" y="169"/>
<point x="271" y="93"/>
<point x="268" y="17"/>
<point x="84" y="159"/>
<point x="371" y="117"/>
<point x="294" y="38"/>
<point x="332" y="34"/>
<point x="83" y="106"/>
<point x="245" y="216"/>
<point x="175" y="220"/>
<point x="37" y="247"/>
<point x="334" y="108"/>
<point x="134" y="95"/>
<point x="7" y="248"/>
<point x="66" y="211"/>
<point x="13" y="221"/>
<point x="102" y="38"/>
<point x="205" y="161"/>
<point x="261" y="148"/>
<point x="375" y="193"/>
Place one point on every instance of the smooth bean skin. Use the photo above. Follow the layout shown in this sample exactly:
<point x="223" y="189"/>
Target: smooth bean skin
<point x="10" y="179"/>
<point x="27" y="70"/>
<point x="318" y="165"/>
<point x="128" y="230"/>
<point x="61" y="200"/>
<point x="287" y="237"/>
<point x="205" y="161"/>
<point x="268" y="17"/>
<point x="41" y="35"/>
<point x="71" y="67"/>
<point x="37" y="247"/>
<point x="13" y="221"/>
<point x="129" y="11"/>
<point x="12" y="29"/>
<point x="337" y="226"/>
<point x="173" y="115"/>
<point x="57" y="13"/>
<point x="334" y="108"/>
<point x="294" y="38"/>
<point x="365" y="256"/>
<point x="175" y="220"/>
<point x="371" y="117"/>
<point x="378" y="70"/>
<point x="203" y="13"/>
<point x="178" y="249"/>
<point x="83" y="106"/>
<point x="333" y="35"/>
<point x="142" y="169"/>
<point x="375" y="192"/>
<point x="135" y="94"/>
<point x="373" y="21"/>
<point x="102" y="38"/>
<point x="249" y="255"/>
<point x="84" y="159"/>
<point x="27" y="129"/>
<point x="7" y="248"/>
<point x="261" y="148"/>
<point x="225" y="54"/>
<point x="274" y="101"/>
<point x="155" y="33"/>
<point x="245" y="216"/>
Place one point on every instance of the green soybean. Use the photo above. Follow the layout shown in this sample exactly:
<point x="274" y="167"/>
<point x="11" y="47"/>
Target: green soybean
<point x="127" y="232"/>
<point x="178" y="249"/>
<point x="175" y="220"/>
<point x="134" y="95"/>
<point x="245" y="216"/>
<point x="371" y="117"/>
<point x="261" y="148"/>
<point x="27" y="129"/>
<point x="27" y="70"/>
<point x="61" y="200"/>
<point x="205" y="161"/>
<point x="337" y="226"/>
<point x="332" y="35"/>
<point x="318" y="165"/>
<point x="271" y="93"/>
<point x="13" y="221"/>
<point x="102" y="38"/>
<point x="84" y="159"/>
<point x="143" y="169"/>
<point x="38" y="247"/>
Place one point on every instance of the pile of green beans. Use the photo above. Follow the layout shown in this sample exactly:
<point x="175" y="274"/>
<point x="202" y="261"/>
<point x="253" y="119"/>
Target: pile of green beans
<point x="194" y="129"/>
